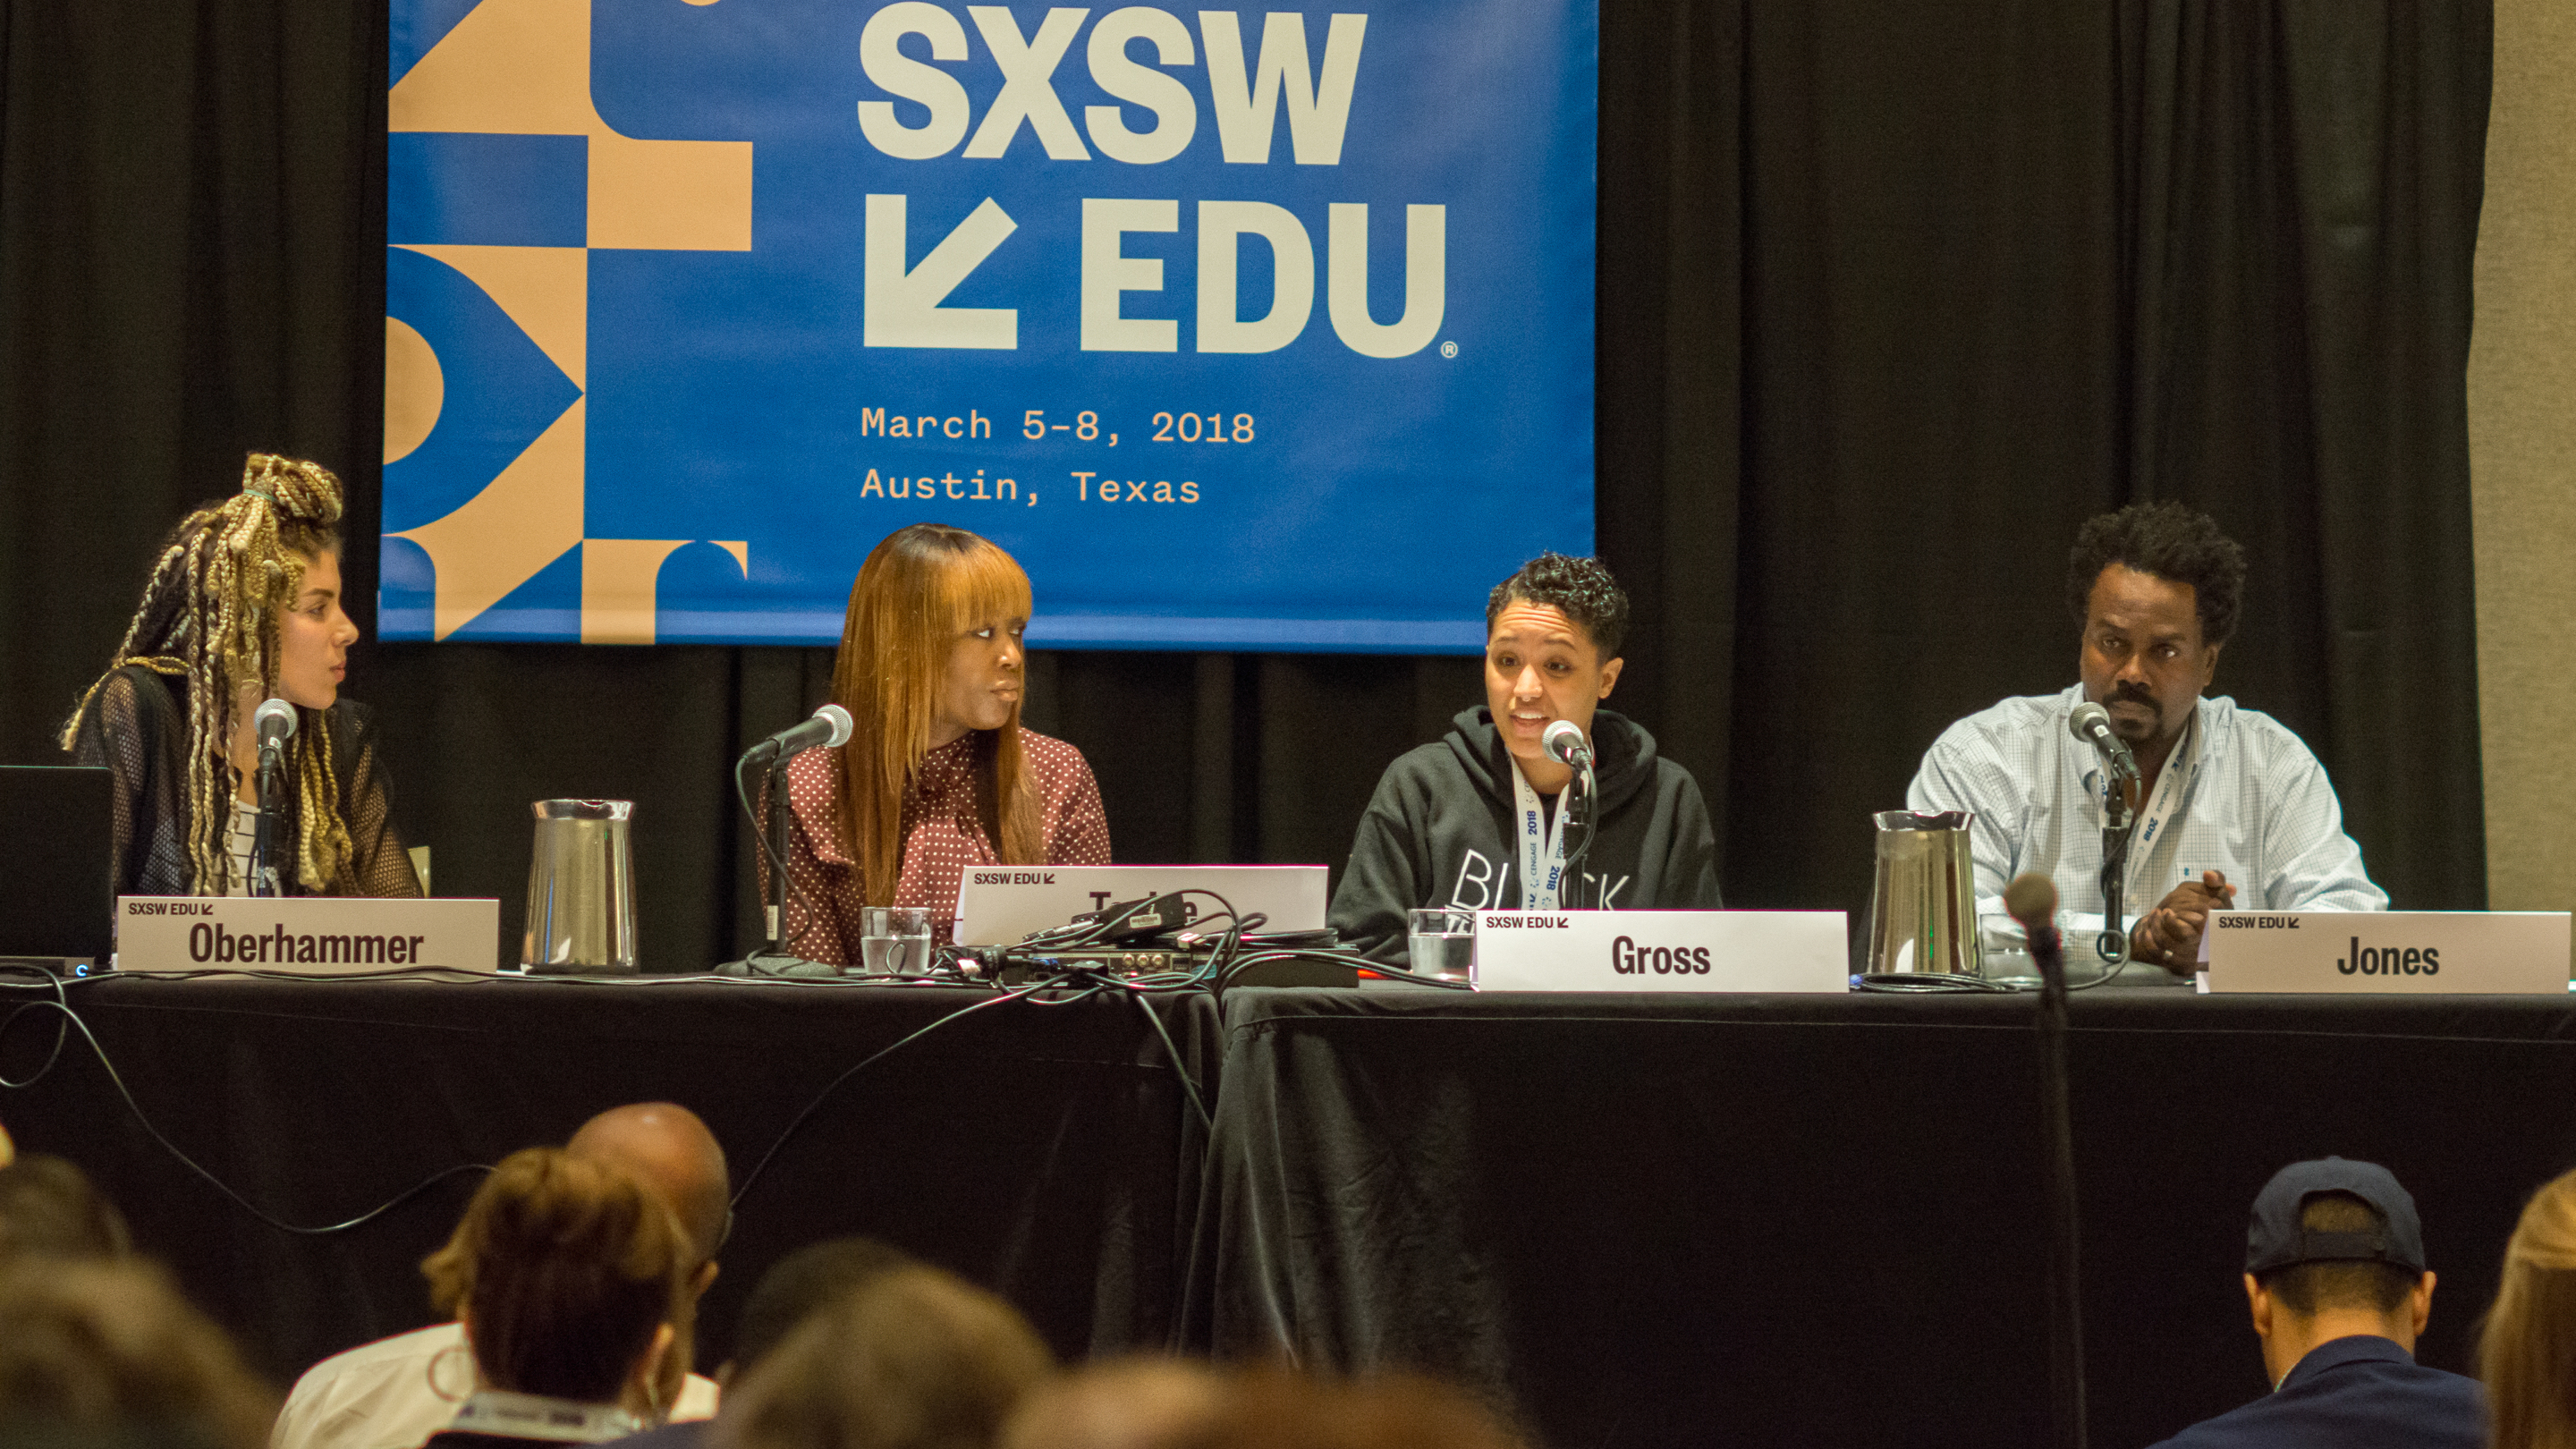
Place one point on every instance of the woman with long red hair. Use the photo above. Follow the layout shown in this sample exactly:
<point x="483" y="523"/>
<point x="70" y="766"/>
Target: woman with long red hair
<point x="938" y="774"/>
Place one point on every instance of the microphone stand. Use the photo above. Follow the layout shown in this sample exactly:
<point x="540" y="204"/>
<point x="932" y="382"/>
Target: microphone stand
<point x="2057" y="1134"/>
<point x="777" y="827"/>
<point x="2117" y="825"/>
<point x="263" y="833"/>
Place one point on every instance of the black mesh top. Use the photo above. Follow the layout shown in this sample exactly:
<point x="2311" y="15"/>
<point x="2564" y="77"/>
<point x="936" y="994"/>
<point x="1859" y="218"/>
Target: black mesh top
<point x="137" y="727"/>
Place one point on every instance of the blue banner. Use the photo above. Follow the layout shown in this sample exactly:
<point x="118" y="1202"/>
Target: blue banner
<point x="1240" y="329"/>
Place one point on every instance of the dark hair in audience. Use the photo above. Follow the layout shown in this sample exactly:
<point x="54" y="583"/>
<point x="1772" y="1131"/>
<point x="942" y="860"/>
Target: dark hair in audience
<point x="2177" y="544"/>
<point x="563" y="1268"/>
<point x="2306" y="1288"/>
<point x="913" y="1359"/>
<point x="1580" y="588"/>
<point x="107" y="1352"/>
<point x="802" y="1284"/>
<point x="50" y="1208"/>
<point x="2527" y="1346"/>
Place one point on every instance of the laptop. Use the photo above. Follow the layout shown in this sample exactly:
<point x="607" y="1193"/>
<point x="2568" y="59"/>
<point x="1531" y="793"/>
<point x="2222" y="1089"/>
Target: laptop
<point x="56" y="903"/>
<point x="998" y="905"/>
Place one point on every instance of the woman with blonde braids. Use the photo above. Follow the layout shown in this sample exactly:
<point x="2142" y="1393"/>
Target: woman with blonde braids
<point x="243" y="604"/>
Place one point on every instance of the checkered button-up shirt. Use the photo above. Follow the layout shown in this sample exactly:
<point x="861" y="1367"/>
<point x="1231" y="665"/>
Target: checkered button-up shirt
<point x="2240" y="795"/>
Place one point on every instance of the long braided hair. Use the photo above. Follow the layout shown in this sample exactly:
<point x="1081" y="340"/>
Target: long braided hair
<point x="209" y="617"/>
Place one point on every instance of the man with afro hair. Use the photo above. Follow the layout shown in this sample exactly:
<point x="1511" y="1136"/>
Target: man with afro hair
<point x="2228" y="807"/>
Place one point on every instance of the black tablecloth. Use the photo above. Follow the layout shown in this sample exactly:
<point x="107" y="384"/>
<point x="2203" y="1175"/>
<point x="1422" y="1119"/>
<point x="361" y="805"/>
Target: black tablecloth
<point x="1045" y="1150"/>
<point x="1633" y="1220"/>
<point x="1693" y="1220"/>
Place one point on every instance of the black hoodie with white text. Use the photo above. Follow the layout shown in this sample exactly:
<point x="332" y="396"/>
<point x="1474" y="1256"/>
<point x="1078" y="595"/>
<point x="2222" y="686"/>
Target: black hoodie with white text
<point x="1442" y="830"/>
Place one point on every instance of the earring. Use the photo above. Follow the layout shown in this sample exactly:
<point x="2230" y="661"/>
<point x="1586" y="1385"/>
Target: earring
<point x="454" y="1350"/>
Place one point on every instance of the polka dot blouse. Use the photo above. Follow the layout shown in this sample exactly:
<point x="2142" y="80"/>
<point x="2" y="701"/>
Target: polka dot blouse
<point x="943" y="834"/>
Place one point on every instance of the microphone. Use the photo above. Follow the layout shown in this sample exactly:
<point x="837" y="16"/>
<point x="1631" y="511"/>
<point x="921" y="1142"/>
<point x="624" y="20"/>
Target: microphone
<point x="2032" y="900"/>
<point x="2091" y="723"/>
<point x="1565" y="744"/>
<point x="275" y="722"/>
<point x="829" y="727"/>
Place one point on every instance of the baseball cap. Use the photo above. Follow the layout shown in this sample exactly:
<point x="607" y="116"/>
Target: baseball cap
<point x="2274" y="1238"/>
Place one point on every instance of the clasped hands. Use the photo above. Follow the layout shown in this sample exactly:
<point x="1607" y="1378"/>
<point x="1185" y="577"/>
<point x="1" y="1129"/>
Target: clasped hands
<point x="2169" y="935"/>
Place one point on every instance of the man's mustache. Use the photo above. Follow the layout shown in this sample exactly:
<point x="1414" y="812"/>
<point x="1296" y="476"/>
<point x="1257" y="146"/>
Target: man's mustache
<point x="2132" y="694"/>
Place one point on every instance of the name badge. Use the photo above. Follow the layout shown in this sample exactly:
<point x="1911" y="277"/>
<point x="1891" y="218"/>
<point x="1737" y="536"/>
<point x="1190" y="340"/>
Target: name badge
<point x="1768" y="951"/>
<point x="307" y="935"/>
<point x="2414" y="953"/>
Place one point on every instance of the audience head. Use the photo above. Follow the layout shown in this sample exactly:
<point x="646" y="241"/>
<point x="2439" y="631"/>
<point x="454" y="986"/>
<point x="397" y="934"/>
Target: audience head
<point x="931" y="651"/>
<point x="914" y="1358"/>
<point x="1150" y="1405"/>
<point x="49" y="1208"/>
<point x="108" y="1352"/>
<point x="2334" y="1249"/>
<point x="2527" y="1349"/>
<point x="243" y="603"/>
<point x="664" y="1146"/>
<point x="571" y="1277"/>
<point x="1142" y="1403"/>
<point x="801" y="1284"/>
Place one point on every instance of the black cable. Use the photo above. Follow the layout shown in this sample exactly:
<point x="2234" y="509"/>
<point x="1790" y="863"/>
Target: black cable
<point x="796" y="1125"/>
<point x="1189" y="1083"/>
<point x="61" y="1004"/>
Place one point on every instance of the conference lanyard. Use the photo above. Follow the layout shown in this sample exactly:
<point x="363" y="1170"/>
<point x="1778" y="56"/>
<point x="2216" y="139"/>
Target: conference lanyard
<point x="534" y="1416"/>
<point x="1542" y="849"/>
<point x="2150" y="825"/>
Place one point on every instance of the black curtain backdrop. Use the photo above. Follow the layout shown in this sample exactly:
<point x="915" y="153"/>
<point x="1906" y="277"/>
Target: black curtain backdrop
<point x="1891" y="298"/>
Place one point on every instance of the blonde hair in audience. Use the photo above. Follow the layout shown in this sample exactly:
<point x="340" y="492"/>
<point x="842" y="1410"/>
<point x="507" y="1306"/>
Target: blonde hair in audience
<point x="2527" y="1348"/>
<point x="209" y="616"/>
<point x="563" y="1269"/>
<point x="920" y="590"/>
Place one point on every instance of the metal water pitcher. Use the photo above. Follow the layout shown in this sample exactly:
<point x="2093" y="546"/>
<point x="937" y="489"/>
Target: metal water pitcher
<point x="581" y="890"/>
<point x="1923" y="906"/>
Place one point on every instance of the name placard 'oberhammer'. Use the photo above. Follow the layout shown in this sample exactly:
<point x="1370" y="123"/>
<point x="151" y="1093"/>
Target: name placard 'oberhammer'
<point x="320" y="936"/>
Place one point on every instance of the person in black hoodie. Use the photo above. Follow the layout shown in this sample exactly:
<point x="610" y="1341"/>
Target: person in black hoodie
<point x="1472" y="820"/>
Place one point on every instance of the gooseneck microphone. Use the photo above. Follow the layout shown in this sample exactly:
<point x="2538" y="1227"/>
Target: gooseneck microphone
<point x="274" y="724"/>
<point x="2032" y="899"/>
<point x="2091" y="723"/>
<point x="830" y="727"/>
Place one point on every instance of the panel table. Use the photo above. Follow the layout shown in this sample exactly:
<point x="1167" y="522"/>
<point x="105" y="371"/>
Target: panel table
<point x="1816" y="1220"/>
<point x="1046" y="1150"/>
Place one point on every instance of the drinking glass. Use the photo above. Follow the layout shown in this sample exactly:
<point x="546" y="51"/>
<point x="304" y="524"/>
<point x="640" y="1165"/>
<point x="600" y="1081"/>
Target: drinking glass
<point x="1442" y="942"/>
<point x="894" y="941"/>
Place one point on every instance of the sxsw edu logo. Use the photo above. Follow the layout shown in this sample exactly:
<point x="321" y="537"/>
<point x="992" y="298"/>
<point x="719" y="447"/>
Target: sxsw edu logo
<point x="1249" y="83"/>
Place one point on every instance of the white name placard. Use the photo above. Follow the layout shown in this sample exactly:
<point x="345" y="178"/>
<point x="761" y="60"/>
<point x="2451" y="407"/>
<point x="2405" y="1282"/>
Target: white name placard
<point x="1771" y="951"/>
<point x="999" y="904"/>
<point x="2416" y="953"/>
<point x="311" y="935"/>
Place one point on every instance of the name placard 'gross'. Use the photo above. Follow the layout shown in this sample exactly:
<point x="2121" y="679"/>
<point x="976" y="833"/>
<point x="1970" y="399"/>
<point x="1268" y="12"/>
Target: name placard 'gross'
<point x="1783" y="951"/>
<point x="2377" y="952"/>
<point x="307" y="935"/>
